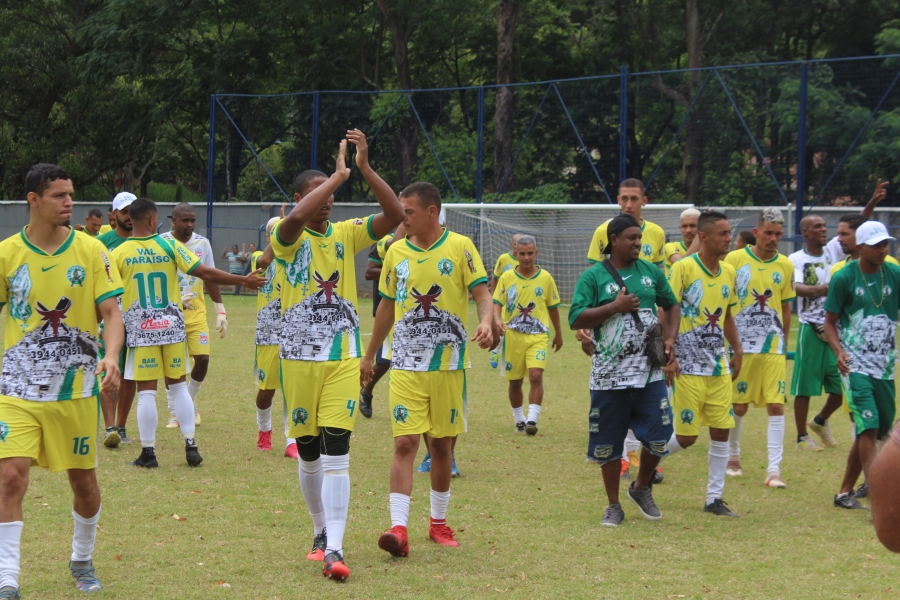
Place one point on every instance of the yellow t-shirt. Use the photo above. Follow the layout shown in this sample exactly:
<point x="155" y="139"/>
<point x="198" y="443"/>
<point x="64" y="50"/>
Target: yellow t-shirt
<point x="201" y="248"/>
<point x="506" y="262"/>
<point x="670" y="250"/>
<point x="430" y="290"/>
<point x="381" y="246"/>
<point x="50" y="338"/>
<point x="526" y="302"/>
<point x="151" y="304"/>
<point x="761" y="288"/>
<point x="652" y="242"/>
<point x="253" y="258"/>
<point x="105" y="229"/>
<point x="840" y="265"/>
<point x="318" y="294"/>
<point x="704" y="299"/>
<point x="268" y="306"/>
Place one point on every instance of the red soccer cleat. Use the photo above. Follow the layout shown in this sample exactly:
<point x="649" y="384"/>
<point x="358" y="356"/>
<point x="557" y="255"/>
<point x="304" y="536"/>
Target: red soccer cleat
<point x="442" y="535"/>
<point x="318" y="547"/>
<point x="264" y="440"/>
<point x="395" y="540"/>
<point x="335" y="567"/>
<point x="290" y="451"/>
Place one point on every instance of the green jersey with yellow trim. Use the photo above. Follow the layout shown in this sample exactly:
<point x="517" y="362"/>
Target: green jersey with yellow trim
<point x="526" y="301"/>
<point x="430" y="290"/>
<point x="111" y="239"/>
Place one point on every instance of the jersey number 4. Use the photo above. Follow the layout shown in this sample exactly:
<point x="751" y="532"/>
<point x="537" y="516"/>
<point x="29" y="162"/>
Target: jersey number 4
<point x="153" y="290"/>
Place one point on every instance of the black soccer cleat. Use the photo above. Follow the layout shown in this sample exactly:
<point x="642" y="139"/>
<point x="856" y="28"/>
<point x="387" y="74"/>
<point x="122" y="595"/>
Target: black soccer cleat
<point x="718" y="507"/>
<point x="531" y="428"/>
<point x="192" y="453"/>
<point x="146" y="460"/>
<point x="365" y="404"/>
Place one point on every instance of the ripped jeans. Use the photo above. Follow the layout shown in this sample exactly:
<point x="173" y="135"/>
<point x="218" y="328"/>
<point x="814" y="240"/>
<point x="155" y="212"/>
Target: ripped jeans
<point x="646" y="411"/>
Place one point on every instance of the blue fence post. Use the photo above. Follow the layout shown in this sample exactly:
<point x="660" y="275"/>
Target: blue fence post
<point x="479" y="155"/>
<point x="314" y="154"/>
<point x="211" y="166"/>
<point x="623" y="123"/>
<point x="801" y="147"/>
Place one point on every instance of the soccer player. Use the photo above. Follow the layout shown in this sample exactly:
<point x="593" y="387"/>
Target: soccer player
<point x="526" y="300"/>
<point x="702" y="375"/>
<point x="93" y="223"/>
<point x="632" y="200"/>
<point x="154" y="323"/>
<point x="320" y="341"/>
<point x="764" y="285"/>
<point x="675" y="251"/>
<point x="56" y="285"/>
<point x="425" y="284"/>
<point x="627" y="393"/>
<point x="744" y="238"/>
<point x="505" y="262"/>
<point x="113" y="238"/>
<point x="184" y="218"/>
<point x="111" y="221"/>
<point x="382" y="362"/>
<point x="863" y="297"/>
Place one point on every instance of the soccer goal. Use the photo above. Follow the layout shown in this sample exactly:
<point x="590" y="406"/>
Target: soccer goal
<point x="563" y="231"/>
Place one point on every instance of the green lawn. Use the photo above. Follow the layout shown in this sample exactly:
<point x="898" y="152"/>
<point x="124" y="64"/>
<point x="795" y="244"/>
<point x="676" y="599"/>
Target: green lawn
<point x="526" y="511"/>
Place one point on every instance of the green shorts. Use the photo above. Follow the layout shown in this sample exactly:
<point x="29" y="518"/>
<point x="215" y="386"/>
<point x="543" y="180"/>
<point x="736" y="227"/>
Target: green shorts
<point x="872" y="402"/>
<point x="815" y="366"/>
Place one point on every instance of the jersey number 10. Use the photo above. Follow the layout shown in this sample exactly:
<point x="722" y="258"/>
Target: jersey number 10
<point x="153" y="290"/>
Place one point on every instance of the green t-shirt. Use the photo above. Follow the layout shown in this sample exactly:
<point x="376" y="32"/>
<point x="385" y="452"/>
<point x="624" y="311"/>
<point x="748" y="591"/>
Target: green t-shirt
<point x="868" y="333"/>
<point x="111" y="240"/>
<point x="619" y="358"/>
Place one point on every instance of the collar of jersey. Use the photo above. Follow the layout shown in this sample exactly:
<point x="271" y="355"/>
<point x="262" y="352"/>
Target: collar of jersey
<point x="512" y="257"/>
<point x="683" y="247"/>
<point x="141" y="239"/>
<point x="758" y="259"/>
<point x="62" y="247"/>
<point x="813" y="255"/>
<point x="696" y="258"/>
<point x="527" y="278"/>
<point x="317" y="234"/>
<point x="439" y="241"/>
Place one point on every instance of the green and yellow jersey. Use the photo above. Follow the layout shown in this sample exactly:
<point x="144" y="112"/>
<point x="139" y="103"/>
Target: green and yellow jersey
<point x="526" y="301"/>
<point x="505" y="262"/>
<point x="51" y="322"/>
<point x="704" y="300"/>
<point x="200" y="247"/>
<point x="105" y="229"/>
<point x="430" y="290"/>
<point x="151" y="304"/>
<point x="253" y="258"/>
<point x="843" y="263"/>
<point x="111" y="239"/>
<point x="318" y="293"/>
<point x="268" y="306"/>
<point x="761" y="287"/>
<point x="670" y="250"/>
<point x="653" y="239"/>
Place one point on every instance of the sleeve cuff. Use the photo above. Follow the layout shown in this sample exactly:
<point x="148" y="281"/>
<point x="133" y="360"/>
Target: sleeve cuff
<point x="554" y="306"/>
<point x="369" y="228"/>
<point x="792" y="298"/>
<point x="477" y="281"/>
<point x="196" y="264"/>
<point x="498" y="303"/>
<point x="112" y="294"/>
<point x="377" y="261"/>
<point x="385" y="296"/>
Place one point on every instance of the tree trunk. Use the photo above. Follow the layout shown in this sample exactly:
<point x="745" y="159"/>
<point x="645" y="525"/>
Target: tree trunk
<point x="505" y="98"/>
<point x="693" y="158"/>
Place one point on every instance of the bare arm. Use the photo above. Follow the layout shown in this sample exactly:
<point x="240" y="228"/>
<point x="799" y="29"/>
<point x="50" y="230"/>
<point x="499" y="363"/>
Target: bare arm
<point x="786" y="320"/>
<point x="384" y="320"/>
<point x="214" y="293"/>
<point x="834" y="340"/>
<point x="266" y="258"/>
<point x="672" y="317"/>
<point x="557" y="342"/>
<point x="731" y="334"/>
<point x="805" y="291"/>
<point x="373" y="271"/>
<point x="113" y="338"/>
<point x="877" y="196"/>
<point x="399" y="234"/>
<point x="486" y="333"/>
<point x="210" y="275"/>
<point x="391" y="212"/>
<point x="884" y="494"/>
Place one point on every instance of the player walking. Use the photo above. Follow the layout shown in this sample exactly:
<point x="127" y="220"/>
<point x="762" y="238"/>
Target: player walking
<point x="526" y="300"/>
<point x="56" y="283"/>
<point x="764" y="285"/>
<point x="320" y="341"/>
<point x="425" y="283"/>
<point x="154" y="323"/>
<point x="701" y="390"/>
<point x="505" y="262"/>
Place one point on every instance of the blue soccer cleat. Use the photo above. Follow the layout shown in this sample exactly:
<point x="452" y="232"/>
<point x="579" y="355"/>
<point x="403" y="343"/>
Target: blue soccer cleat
<point x="425" y="467"/>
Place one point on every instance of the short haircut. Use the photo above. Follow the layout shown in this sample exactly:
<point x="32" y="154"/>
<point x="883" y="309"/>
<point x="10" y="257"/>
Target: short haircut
<point x="770" y="215"/>
<point x="748" y="237"/>
<point x="632" y="183"/>
<point x="854" y="220"/>
<point x="183" y="207"/>
<point x="141" y="208"/>
<point x="95" y="213"/>
<point x="525" y="240"/>
<point x="427" y="193"/>
<point x="805" y="221"/>
<point x="111" y="209"/>
<point x="690" y="212"/>
<point x="305" y="178"/>
<point x="41" y="175"/>
<point x="272" y="222"/>
<point x="709" y="218"/>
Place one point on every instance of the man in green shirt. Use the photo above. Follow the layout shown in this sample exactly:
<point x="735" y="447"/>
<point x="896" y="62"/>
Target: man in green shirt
<point x="113" y="239"/>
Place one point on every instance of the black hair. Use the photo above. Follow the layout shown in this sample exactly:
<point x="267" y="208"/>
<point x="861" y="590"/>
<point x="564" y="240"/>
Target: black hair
<point x="95" y="213"/>
<point x="141" y="208"/>
<point x="748" y="237"/>
<point x="632" y="183"/>
<point x="427" y="193"/>
<point x="854" y="220"/>
<point x="708" y="218"/>
<point x="616" y="226"/>
<point x="303" y="180"/>
<point x="41" y="175"/>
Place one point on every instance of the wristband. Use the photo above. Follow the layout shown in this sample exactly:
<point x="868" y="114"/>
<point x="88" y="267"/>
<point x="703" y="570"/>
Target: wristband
<point x="220" y="308"/>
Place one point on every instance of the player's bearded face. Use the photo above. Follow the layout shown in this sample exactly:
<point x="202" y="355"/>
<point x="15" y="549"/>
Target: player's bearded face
<point x="123" y="219"/>
<point x="55" y="203"/>
<point x="184" y="224"/>
<point x="846" y="237"/>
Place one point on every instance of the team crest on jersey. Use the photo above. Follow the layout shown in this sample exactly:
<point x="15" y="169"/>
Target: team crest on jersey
<point x="726" y="292"/>
<point x="445" y="266"/>
<point x="400" y="413"/>
<point x="687" y="416"/>
<point x="358" y="221"/>
<point x="886" y="290"/>
<point x="612" y="289"/>
<point x="4" y="431"/>
<point x="204" y="339"/>
<point x="860" y="292"/>
<point x="261" y="374"/>
<point x="647" y="249"/>
<point x="106" y="266"/>
<point x="868" y="414"/>
<point x="339" y="250"/>
<point x="539" y="292"/>
<point x="299" y="416"/>
<point x="776" y="277"/>
<point x="509" y="366"/>
<point x="742" y="387"/>
<point x="75" y="275"/>
<point x="469" y="261"/>
<point x="648" y="283"/>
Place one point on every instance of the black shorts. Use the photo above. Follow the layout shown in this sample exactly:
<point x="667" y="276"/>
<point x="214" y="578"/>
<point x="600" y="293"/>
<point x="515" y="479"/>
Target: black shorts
<point x="646" y="411"/>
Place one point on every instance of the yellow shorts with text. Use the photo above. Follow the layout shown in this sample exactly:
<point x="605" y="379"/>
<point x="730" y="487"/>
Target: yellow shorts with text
<point x="320" y="394"/>
<point x="523" y="351"/>
<point x="700" y="401"/>
<point x="762" y="380"/>
<point x="432" y="402"/>
<point x="197" y="337"/>
<point x="150" y="363"/>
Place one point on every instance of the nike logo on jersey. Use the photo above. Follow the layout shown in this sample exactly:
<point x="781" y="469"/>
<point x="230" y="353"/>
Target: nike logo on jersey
<point x="525" y="287"/>
<point x="710" y="284"/>
<point x="45" y="269"/>
<point x="626" y="277"/>
<point x="760" y="268"/>
<point x="424" y="259"/>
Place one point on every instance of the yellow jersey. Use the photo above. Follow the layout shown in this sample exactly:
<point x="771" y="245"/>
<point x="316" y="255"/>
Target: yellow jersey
<point x="506" y="262"/>
<point x="318" y="294"/>
<point x="201" y="248"/>
<point x="268" y="306"/>
<point x="430" y="291"/>
<point x="653" y="239"/>
<point x="151" y="304"/>
<point x="704" y="300"/>
<point x="381" y="246"/>
<point x="761" y="287"/>
<point x="253" y="258"/>
<point x="670" y="250"/>
<point x="841" y="264"/>
<point x="50" y="341"/>
<point x="105" y="229"/>
<point x="526" y="301"/>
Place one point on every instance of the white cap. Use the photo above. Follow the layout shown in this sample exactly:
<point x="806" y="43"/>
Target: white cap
<point x="871" y="233"/>
<point x="122" y="200"/>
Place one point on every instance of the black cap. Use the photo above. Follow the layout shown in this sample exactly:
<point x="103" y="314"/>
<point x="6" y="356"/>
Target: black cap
<point x="616" y="226"/>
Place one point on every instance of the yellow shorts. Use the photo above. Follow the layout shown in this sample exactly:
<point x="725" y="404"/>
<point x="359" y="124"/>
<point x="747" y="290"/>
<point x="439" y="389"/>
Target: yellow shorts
<point x="150" y="363"/>
<point x="701" y="401"/>
<point x="320" y="394"/>
<point x="432" y="402"/>
<point x="523" y="351"/>
<point x="762" y="380"/>
<point x="197" y="337"/>
<point x="267" y="368"/>
<point x="54" y="435"/>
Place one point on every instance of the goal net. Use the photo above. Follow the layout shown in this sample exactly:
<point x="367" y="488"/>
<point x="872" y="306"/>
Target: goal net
<point x="563" y="232"/>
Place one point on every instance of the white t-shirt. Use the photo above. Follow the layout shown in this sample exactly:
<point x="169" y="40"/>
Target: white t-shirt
<point x="815" y="270"/>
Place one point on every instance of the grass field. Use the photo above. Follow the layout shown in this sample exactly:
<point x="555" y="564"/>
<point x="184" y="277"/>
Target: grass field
<point x="526" y="511"/>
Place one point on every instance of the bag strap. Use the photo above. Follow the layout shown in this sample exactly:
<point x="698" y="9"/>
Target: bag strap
<point x="618" y="279"/>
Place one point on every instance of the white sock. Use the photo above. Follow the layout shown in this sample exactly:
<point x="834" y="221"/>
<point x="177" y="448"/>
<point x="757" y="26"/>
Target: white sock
<point x="264" y="419"/>
<point x="734" y="437"/>
<point x="335" y="499"/>
<point x="147" y="418"/>
<point x="674" y="446"/>
<point x="519" y="415"/>
<point x="184" y="408"/>
<point x="534" y="412"/>
<point x="10" y="539"/>
<point x="311" y="487"/>
<point x="288" y="441"/>
<point x="631" y="443"/>
<point x="852" y="431"/>
<point x="399" y="509"/>
<point x="84" y="535"/>
<point x="439" y="503"/>
<point x="776" y="444"/>
<point x="193" y="387"/>
<point x="718" y="462"/>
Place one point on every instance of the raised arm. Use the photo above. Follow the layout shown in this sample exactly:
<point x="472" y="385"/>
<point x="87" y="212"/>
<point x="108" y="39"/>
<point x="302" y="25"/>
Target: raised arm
<point x="877" y="196"/>
<point x="391" y="212"/>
